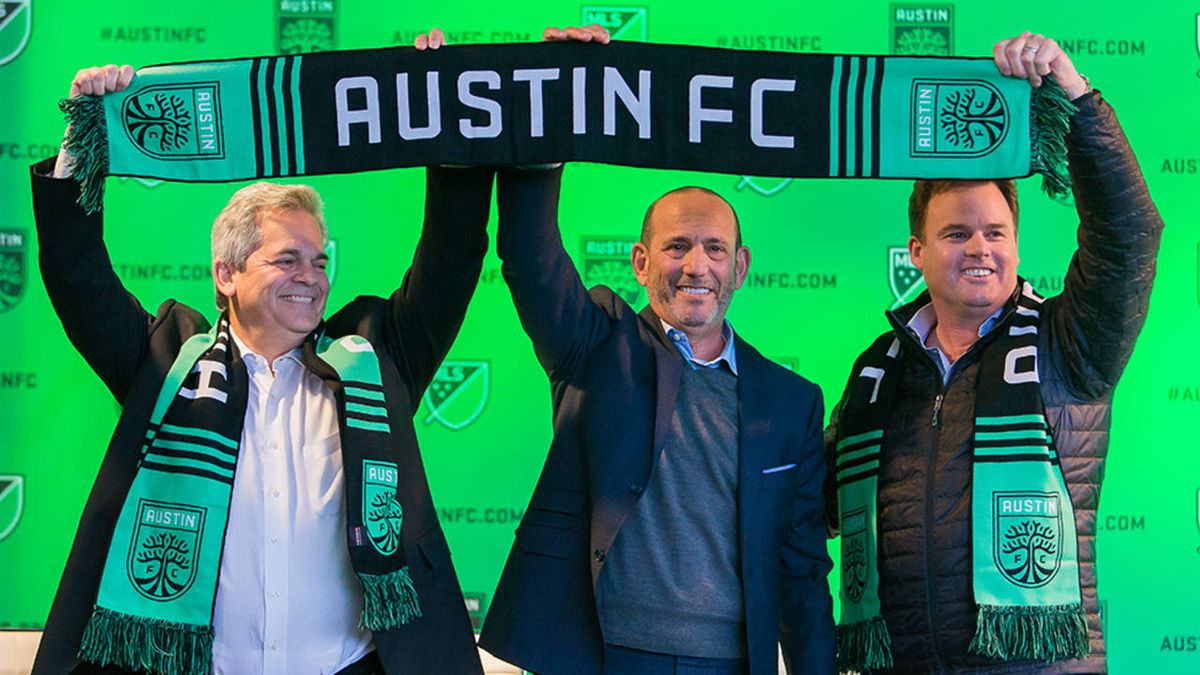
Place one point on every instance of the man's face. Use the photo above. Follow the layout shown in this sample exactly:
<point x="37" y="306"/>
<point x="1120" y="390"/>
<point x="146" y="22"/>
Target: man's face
<point x="969" y="256"/>
<point x="280" y="297"/>
<point x="692" y="265"/>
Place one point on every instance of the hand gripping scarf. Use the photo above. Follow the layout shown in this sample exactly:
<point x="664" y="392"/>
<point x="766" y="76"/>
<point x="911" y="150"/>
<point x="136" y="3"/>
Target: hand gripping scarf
<point x="154" y="608"/>
<point x="1023" y="541"/>
<point x="662" y="106"/>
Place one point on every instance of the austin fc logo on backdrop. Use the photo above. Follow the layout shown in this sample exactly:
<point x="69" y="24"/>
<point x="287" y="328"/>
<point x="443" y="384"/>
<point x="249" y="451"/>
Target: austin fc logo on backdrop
<point x="175" y="122"/>
<point x="458" y="394"/>
<point x="766" y="187"/>
<point x="606" y="262"/>
<point x="12" y="503"/>
<point x="622" y="23"/>
<point x="12" y="268"/>
<point x="922" y="30"/>
<point x="16" y="23"/>
<point x="306" y="26"/>
<point x="1027" y="537"/>
<point x="904" y="278"/>
<point x="166" y="543"/>
<point x="956" y="118"/>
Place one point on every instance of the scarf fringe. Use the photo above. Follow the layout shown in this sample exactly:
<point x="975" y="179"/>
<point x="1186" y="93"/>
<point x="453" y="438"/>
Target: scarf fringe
<point x="87" y="142"/>
<point x="141" y="644"/>
<point x="389" y="600"/>
<point x="864" y="645"/>
<point x="1046" y="633"/>
<point x="1051" y="112"/>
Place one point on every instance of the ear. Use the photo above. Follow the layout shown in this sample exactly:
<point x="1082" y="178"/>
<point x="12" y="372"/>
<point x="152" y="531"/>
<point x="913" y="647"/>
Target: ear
<point x="639" y="257"/>
<point x="915" y="250"/>
<point x="223" y="278"/>
<point x="741" y="266"/>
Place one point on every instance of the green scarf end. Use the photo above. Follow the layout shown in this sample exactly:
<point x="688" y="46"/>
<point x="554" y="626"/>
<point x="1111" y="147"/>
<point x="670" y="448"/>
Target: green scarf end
<point x="389" y="600"/>
<point x="864" y="645"/>
<point x="1051" y="112"/>
<point x="1046" y="633"/>
<point x="141" y="644"/>
<point x="87" y="143"/>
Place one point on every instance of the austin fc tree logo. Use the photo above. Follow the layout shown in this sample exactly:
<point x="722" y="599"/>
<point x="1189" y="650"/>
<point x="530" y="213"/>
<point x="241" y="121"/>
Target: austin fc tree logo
<point x="12" y="268"/>
<point x="382" y="514"/>
<point x="973" y="115"/>
<point x="165" y="561"/>
<point x="158" y="120"/>
<point x="166" y="540"/>
<point x="1027" y="537"/>
<point x="854" y="565"/>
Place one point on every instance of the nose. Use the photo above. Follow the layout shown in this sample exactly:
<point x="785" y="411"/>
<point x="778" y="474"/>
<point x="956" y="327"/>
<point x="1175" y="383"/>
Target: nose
<point x="308" y="273"/>
<point x="977" y="245"/>
<point x="695" y="262"/>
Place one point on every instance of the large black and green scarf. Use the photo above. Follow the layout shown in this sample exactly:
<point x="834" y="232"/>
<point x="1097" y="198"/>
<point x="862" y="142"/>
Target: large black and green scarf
<point x="1024" y="544"/>
<point x="661" y="106"/>
<point x="154" y="608"/>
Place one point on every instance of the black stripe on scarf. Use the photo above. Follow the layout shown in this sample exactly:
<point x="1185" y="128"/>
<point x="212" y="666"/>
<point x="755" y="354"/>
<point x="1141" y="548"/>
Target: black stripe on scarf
<point x="256" y="113"/>
<point x="876" y="89"/>
<point x="170" y="468"/>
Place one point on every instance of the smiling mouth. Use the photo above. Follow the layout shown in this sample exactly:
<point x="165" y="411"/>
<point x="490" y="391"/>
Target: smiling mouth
<point x="978" y="272"/>
<point x="304" y="299"/>
<point x="695" y="291"/>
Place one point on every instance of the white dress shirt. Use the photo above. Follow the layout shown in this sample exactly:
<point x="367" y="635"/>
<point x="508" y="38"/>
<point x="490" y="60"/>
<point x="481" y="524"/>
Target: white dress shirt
<point x="287" y="599"/>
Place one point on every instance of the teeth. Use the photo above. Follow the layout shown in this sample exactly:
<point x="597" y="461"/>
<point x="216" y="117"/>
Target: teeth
<point x="689" y="290"/>
<point x="977" y="272"/>
<point x="297" y="298"/>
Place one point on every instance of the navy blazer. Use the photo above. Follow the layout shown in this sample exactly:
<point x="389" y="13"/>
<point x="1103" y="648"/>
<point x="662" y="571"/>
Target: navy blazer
<point x="614" y="379"/>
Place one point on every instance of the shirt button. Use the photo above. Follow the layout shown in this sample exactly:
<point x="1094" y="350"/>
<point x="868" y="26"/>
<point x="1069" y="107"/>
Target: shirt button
<point x="274" y="445"/>
<point x="274" y="540"/>
<point x="598" y="554"/>
<point x="275" y="594"/>
<point x="274" y="647"/>
<point x="636" y="488"/>
<point x="275" y="493"/>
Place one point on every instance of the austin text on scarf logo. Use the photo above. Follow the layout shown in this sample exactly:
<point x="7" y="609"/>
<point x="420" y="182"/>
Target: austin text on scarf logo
<point x="176" y="122"/>
<point x="1027" y="537"/>
<point x="166" y="540"/>
<point x="956" y="118"/>
<point x="382" y="513"/>
<point x="12" y="268"/>
<point x="854" y="554"/>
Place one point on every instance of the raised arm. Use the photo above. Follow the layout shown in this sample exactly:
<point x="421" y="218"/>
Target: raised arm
<point x="104" y="322"/>
<point x="1106" y="294"/>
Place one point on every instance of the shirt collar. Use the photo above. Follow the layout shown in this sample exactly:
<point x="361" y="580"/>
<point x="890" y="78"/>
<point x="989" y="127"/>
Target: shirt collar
<point x="254" y="360"/>
<point x="922" y="323"/>
<point x="681" y="342"/>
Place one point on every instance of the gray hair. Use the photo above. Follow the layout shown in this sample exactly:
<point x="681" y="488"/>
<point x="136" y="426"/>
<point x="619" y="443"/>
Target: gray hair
<point x="236" y="233"/>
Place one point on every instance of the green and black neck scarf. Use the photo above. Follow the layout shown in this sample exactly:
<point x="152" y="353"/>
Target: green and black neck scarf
<point x="1023" y="539"/>
<point x="154" y="608"/>
<point x="752" y="113"/>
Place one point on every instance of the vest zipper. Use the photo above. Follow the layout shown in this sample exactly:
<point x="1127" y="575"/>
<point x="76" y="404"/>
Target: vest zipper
<point x="936" y="420"/>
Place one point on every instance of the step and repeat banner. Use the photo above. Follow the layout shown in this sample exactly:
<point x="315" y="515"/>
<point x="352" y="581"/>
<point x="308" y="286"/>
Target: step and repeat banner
<point x="828" y="258"/>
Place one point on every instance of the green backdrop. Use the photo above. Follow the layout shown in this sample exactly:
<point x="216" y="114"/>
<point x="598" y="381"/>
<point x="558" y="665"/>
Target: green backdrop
<point x="823" y="265"/>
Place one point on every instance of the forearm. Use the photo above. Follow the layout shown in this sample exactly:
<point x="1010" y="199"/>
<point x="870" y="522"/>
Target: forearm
<point x="103" y="322"/>
<point x="430" y="304"/>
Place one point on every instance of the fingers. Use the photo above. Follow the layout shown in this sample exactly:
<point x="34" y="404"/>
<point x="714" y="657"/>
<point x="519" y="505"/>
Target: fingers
<point x="432" y="40"/>
<point x="1033" y="56"/>
<point x="97" y="81"/>
<point x="593" y="33"/>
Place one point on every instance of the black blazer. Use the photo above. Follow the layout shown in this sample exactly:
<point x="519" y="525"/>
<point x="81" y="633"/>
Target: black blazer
<point x="614" y="379"/>
<point x="131" y="351"/>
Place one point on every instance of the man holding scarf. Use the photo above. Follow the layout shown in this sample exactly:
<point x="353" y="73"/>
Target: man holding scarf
<point x="968" y="449"/>
<point x="262" y="506"/>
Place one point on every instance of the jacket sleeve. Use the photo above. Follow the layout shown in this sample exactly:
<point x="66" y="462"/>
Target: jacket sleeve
<point x="806" y="632"/>
<point x="428" y="309"/>
<point x="106" y="324"/>
<point x="1106" y="292"/>
<point x="554" y="307"/>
